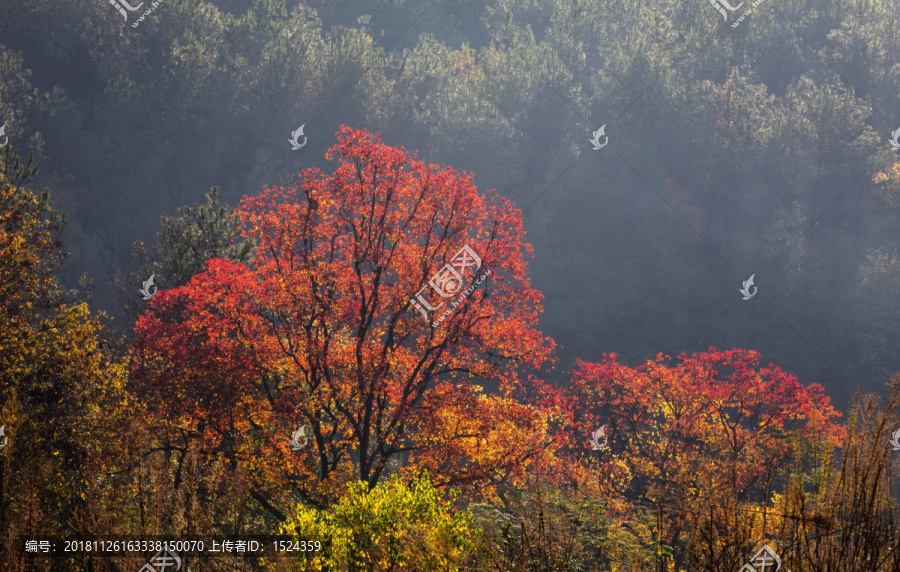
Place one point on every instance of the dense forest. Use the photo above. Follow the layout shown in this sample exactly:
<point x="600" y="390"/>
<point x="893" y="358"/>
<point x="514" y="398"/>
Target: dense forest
<point x="452" y="285"/>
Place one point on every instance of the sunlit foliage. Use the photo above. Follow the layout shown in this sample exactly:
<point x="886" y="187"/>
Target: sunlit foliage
<point x="393" y="526"/>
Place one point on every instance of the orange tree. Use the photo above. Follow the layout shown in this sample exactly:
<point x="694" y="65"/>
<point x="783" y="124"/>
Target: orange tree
<point x="330" y="327"/>
<point x="697" y="440"/>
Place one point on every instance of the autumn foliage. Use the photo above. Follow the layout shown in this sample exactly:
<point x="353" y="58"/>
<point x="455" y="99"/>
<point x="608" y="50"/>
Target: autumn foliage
<point x="393" y="526"/>
<point x="435" y="434"/>
<point x="320" y="331"/>
<point x="713" y="406"/>
<point x="691" y="440"/>
<point x="60" y="392"/>
<point x="323" y="329"/>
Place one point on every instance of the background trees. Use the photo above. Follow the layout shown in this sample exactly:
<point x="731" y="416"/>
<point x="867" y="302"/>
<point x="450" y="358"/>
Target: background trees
<point x="197" y="234"/>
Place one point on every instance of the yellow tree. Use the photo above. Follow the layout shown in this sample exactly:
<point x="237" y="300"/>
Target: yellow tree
<point x="393" y="526"/>
<point x="59" y="391"/>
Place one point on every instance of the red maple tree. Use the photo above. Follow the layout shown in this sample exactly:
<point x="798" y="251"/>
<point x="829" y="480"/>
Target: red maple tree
<point x="685" y="436"/>
<point x="322" y="330"/>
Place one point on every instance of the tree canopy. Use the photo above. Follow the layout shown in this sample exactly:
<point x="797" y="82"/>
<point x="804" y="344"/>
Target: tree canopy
<point x="320" y="331"/>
